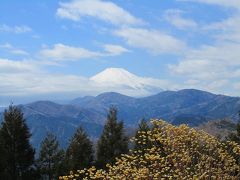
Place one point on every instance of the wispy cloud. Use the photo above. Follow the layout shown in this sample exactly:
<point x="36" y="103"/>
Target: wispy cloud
<point x="13" y="67"/>
<point x="227" y="29"/>
<point x="13" y="50"/>
<point x="130" y="28"/>
<point x="156" y="42"/>
<point x="114" y="50"/>
<point x="226" y="3"/>
<point x="64" y="52"/>
<point x="214" y="66"/>
<point x="15" y="29"/>
<point x="220" y="60"/>
<point x="103" y="10"/>
<point x="211" y="67"/>
<point x="174" y="17"/>
<point x="61" y="52"/>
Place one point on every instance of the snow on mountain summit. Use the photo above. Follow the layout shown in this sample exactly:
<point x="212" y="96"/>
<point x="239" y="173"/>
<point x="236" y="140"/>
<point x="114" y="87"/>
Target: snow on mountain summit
<point x="111" y="74"/>
<point x="119" y="77"/>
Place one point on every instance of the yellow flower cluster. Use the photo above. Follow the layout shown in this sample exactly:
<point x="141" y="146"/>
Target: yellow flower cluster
<point x="174" y="153"/>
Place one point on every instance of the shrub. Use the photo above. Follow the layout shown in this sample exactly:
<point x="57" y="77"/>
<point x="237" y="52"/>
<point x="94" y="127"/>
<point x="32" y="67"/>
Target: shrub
<point x="175" y="153"/>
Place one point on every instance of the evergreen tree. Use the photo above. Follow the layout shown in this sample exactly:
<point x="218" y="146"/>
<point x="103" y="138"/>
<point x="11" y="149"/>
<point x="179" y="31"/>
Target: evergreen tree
<point x="51" y="158"/>
<point x="112" y="142"/>
<point x="19" y="153"/>
<point x="2" y="160"/>
<point x="142" y="136"/>
<point x="79" y="154"/>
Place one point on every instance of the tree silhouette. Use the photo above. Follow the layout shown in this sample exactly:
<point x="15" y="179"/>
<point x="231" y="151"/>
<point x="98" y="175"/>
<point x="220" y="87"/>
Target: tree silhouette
<point x="19" y="153"/>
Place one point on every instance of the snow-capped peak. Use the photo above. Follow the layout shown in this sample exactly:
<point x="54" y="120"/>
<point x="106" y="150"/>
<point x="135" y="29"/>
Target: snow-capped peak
<point x="121" y="80"/>
<point x="115" y="76"/>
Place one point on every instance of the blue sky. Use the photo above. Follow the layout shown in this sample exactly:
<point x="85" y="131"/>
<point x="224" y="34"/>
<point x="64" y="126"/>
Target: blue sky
<point x="54" y="47"/>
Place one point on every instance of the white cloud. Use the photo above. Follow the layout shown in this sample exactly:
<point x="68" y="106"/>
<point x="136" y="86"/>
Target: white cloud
<point x="226" y="3"/>
<point x="213" y="68"/>
<point x="19" y="52"/>
<point x="114" y="50"/>
<point x="210" y="61"/>
<point x="174" y="16"/>
<point x="199" y="69"/>
<point x="15" y="29"/>
<point x="27" y="78"/>
<point x="41" y="83"/>
<point x="103" y="10"/>
<point x="219" y="61"/>
<point x="13" y="50"/>
<point x="13" y="67"/>
<point x="226" y="53"/>
<point x="227" y="29"/>
<point x="154" y="41"/>
<point x="62" y="52"/>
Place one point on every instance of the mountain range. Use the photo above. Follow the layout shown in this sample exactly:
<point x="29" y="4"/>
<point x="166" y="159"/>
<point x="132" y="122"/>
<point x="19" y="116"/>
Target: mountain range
<point x="189" y="106"/>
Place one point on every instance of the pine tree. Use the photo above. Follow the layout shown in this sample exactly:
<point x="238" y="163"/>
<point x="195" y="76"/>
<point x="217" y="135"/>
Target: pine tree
<point x="79" y="154"/>
<point x="142" y="136"/>
<point x="3" y="161"/>
<point x="19" y="153"/>
<point x="112" y="142"/>
<point x="51" y="158"/>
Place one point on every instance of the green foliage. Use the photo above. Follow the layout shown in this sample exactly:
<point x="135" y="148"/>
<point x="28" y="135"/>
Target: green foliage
<point x="79" y="153"/>
<point x="51" y="158"/>
<point x="19" y="153"/>
<point x="112" y="142"/>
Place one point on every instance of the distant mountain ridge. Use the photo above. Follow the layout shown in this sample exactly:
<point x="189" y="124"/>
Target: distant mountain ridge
<point x="169" y="105"/>
<point x="190" y="106"/>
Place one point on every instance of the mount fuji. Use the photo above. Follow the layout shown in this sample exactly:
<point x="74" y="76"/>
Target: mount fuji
<point x="122" y="81"/>
<point x="109" y="80"/>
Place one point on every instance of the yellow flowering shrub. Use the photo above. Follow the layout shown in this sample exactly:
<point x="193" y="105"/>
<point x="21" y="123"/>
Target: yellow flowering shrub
<point x="176" y="152"/>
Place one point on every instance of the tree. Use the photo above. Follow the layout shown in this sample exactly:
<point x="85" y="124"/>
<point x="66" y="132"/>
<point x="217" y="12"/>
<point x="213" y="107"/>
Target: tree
<point x="19" y="153"/>
<point x="79" y="154"/>
<point x="112" y="142"/>
<point x="2" y="159"/>
<point x="51" y="157"/>
<point x="189" y="154"/>
<point x="236" y="136"/>
<point x="142" y="135"/>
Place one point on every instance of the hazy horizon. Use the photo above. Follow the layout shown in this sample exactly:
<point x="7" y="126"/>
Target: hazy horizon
<point x="66" y="49"/>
